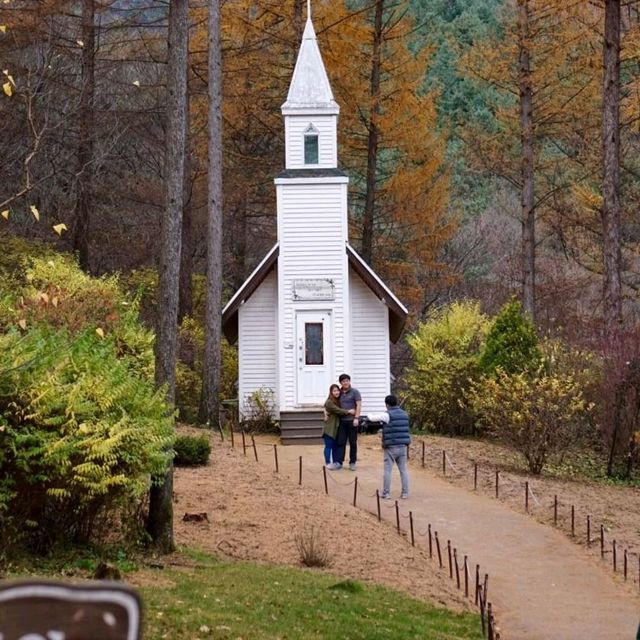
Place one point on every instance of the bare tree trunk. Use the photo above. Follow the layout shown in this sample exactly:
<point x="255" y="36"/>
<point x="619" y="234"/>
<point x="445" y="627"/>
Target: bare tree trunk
<point x="372" y="143"/>
<point x="611" y="249"/>
<point x="611" y="178"/>
<point x="298" y="19"/>
<point x="85" y="171"/>
<point x="527" y="165"/>
<point x="239" y="233"/>
<point x="212" y="365"/>
<point x="185" y="299"/>
<point x="160" y="522"/>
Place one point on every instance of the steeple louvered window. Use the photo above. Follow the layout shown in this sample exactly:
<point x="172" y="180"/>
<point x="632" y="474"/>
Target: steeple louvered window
<point x="311" y="153"/>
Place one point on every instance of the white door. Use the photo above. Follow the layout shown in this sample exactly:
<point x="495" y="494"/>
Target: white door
<point x="313" y="332"/>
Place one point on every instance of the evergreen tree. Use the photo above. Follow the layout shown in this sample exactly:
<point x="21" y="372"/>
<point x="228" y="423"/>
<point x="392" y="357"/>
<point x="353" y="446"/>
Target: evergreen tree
<point x="512" y="343"/>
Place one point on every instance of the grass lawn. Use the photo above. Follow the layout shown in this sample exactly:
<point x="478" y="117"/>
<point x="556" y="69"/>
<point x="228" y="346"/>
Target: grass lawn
<point x="238" y="600"/>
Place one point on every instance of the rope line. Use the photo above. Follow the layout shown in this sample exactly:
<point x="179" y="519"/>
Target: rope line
<point x="342" y="484"/>
<point x="310" y="470"/>
<point x="533" y="495"/>
<point x="446" y="455"/>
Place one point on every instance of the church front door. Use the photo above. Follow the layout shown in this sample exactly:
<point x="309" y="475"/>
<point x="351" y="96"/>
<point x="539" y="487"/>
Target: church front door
<point x="313" y="331"/>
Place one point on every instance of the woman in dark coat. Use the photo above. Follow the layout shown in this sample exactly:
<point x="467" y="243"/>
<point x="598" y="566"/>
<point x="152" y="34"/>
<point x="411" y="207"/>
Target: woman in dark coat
<point x="333" y="411"/>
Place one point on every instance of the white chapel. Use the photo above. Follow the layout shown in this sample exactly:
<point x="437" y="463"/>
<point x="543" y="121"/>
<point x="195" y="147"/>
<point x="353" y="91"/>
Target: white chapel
<point x="312" y="308"/>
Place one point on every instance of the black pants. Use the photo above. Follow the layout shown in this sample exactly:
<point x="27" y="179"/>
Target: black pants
<point x="346" y="431"/>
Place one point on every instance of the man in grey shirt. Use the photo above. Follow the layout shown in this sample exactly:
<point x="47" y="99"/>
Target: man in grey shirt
<point x="348" y="429"/>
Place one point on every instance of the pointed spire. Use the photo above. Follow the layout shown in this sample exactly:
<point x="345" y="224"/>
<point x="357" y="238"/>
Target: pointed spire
<point x="310" y="88"/>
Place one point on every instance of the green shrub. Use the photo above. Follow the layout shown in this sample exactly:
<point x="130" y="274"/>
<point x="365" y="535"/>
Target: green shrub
<point x="143" y="284"/>
<point x="512" y="344"/>
<point x="259" y="410"/>
<point x="446" y="355"/>
<point x="191" y="451"/>
<point x="82" y="428"/>
<point x="189" y="369"/>
<point x="538" y="416"/>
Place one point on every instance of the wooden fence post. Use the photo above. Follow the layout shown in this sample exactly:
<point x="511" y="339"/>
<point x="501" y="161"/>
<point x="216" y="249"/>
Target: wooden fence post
<point x="573" y="521"/>
<point x="326" y="484"/>
<point x="466" y="577"/>
<point x="490" y="622"/>
<point x="300" y="472"/>
<point x="455" y="564"/>
<point x="275" y="455"/>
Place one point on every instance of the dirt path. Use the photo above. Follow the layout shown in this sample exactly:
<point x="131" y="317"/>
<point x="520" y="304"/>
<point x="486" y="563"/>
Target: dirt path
<point x="541" y="585"/>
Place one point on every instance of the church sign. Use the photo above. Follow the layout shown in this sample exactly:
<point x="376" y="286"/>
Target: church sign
<point x="55" y="611"/>
<point x="319" y="289"/>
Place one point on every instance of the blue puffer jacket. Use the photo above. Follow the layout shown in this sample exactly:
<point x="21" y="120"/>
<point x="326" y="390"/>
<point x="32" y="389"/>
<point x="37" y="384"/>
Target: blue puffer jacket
<point x="396" y="431"/>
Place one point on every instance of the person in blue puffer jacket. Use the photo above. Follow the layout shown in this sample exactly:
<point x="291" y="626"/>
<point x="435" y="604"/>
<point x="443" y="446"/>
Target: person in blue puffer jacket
<point x="395" y="440"/>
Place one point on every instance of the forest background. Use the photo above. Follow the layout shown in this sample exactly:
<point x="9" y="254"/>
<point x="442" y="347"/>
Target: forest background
<point x="472" y="132"/>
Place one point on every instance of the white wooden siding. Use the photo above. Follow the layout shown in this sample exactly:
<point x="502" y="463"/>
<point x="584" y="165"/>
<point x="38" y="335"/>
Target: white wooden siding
<point x="257" y="349"/>
<point x="294" y="137"/>
<point x="369" y="345"/>
<point x="312" y="236"/>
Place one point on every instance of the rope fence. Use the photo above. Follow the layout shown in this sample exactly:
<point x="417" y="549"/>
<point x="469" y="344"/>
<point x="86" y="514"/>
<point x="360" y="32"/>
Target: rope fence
<point x="495" y="482"/>
<point x="498" y="480"/>
<point x="413" y="534"/>
<point x="623" y="561"/>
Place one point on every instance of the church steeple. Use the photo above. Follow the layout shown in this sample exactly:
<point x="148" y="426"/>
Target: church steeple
<point x="310" y="88"/>
<point x="310" y="111"/>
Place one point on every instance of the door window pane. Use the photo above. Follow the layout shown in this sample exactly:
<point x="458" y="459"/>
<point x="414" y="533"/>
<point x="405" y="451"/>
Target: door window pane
<point x="313" y="340"/>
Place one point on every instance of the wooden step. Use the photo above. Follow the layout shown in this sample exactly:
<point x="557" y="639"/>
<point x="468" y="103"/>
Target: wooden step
<point x="301" y="427"/>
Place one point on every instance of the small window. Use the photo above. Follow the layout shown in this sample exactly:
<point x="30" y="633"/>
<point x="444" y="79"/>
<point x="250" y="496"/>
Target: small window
<point x="311" y="145"/>
<point x="314" y="343"/>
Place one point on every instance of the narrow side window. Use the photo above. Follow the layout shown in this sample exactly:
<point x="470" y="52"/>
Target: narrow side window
<point x="311" y="145"/>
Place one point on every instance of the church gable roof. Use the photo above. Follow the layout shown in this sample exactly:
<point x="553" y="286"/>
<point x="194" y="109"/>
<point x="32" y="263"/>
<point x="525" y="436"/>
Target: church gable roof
<point x="397" y="311"/>
<point x="310" y="88"/>
<point x="230" y="312"/>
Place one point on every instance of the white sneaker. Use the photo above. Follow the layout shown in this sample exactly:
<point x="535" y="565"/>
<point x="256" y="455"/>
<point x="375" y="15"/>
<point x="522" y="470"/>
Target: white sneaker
<point x="385" y="496"/>
<point x="352" y="466"/>
<point x="334" y="466"/>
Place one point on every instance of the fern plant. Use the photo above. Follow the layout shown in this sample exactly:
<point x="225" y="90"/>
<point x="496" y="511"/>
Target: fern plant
<point x="82" y="428"/>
